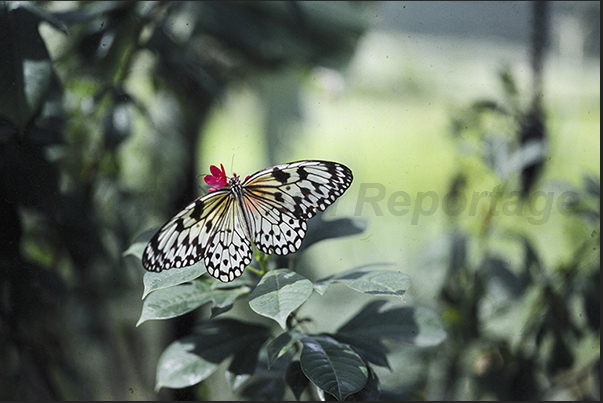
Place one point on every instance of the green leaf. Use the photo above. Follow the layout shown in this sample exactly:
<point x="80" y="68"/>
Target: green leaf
<point x="180" y="365"/>
<point x="281" y="344"/>
<point x="175" y="301"/>
<point x="416" y="325"/>
<point x="332" y="366"/>
<point x="141" y="241"/>
<point x="370" y="392"/>
<point x="135" y="250"/>
<point x="192" y="359"/>
<point x="279" y="293"/>
<point x="168" y="278"/>
<point x="368" y="280"/>
<point x="296" y="379"/>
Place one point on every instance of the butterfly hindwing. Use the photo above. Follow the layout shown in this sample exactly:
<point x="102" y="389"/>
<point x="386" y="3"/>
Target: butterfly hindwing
<point x="273" y="230"/>
<point x="229" y="249"/>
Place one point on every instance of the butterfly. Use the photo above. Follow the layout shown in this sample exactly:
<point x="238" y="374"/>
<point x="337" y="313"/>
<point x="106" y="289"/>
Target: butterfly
<point x="269" y="209"/>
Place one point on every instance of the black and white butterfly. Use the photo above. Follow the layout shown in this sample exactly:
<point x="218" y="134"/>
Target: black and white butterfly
<point x="269" y="208"/>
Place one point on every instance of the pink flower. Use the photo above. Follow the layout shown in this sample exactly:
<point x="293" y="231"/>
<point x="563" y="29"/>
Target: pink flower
<point x="217" y="180"/>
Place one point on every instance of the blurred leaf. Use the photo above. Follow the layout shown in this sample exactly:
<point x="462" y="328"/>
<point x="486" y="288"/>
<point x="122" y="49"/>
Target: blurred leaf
<point x="181" y="70"/>
<point x="296" y="379"/>
<point x="532" y="266"/>
<point x="332" y="366"/>
<point x="484" y="105"/>
<point x="192" y="359"/>
<point x="271" y="34"/>
<point x="592" y="185"/>
<point x="530" y="154"/>
<point x="25" y="66"/>
<point x="532" y="139"/>
<point x="415" y="325"/>
<point x="369" y="280"/>
<point x="49" y="124"/>
<point x="509" y="86"/>
<point x="370" y="349"/>
<point x="458" y="252"/>
<point x="139" y="243"/>
<point x="279" y="293"/>
<point x="169" y="278"/>
<point x="279" y="346"/>
<point x="561" y="358"/>
<point x="91" y="10"/>
<point x="170" y="302"/>
<point x="592" y="299"/>
<point x="497" y="151"/>
<point x="504" y="287"/>
<point x="319" y="230"/>
<point x="117" y="123"/>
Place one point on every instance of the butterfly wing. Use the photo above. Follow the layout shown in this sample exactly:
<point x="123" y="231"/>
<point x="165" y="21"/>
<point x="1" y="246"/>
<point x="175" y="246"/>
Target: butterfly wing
<point x="280" y="199"/>
<point x="209" y="228"/>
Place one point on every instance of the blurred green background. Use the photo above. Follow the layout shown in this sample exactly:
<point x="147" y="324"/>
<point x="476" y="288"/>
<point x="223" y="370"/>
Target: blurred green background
<point x="145" y="96"/>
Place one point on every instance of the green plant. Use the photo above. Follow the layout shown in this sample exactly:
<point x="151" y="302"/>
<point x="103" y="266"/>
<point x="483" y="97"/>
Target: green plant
<point x="519" y="328"/>
<point x="266" y="359"/>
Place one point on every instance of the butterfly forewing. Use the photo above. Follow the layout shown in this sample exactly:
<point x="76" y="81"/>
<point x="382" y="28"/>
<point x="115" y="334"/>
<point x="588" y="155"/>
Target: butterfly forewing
<point x="184" y="239"/>
<point x="281" y="199"/>
<point x="270" y="207"/>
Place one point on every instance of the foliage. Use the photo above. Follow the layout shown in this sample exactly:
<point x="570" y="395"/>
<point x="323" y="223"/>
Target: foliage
<point x="80" y="83"/>
<point x="517" y="328"/>
<point x="340" y="364"/>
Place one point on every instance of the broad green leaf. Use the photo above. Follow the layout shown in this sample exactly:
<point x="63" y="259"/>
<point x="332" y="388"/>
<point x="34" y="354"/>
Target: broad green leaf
<point x="192" y="359"/>
<point x="370" y="392"/>
<point x="141" y="241"/>
<point x="180" y="365"/>
<point x="279" y="293"/>
<point x="416" y="325"/>
<point x="175" y="301"/>
<point x="369" y="280"/>
<point x="332" y="366"/>
<point x="135" y="250"/>
<point x="168" y="278"/>
<point x="281" y="344"/>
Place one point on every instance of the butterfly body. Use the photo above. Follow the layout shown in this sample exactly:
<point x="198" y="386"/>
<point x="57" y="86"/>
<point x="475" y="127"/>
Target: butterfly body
<point x="269" y="208"/>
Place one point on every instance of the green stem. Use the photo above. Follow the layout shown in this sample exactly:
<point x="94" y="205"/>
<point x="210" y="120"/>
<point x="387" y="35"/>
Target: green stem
<point x="261" y="258"/>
